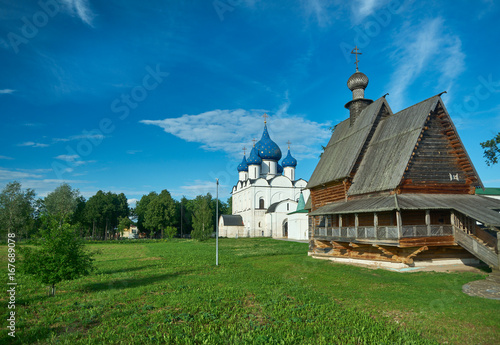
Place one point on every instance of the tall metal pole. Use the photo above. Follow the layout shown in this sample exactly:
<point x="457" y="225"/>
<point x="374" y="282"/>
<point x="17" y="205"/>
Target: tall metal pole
<point x="217" y="226"/>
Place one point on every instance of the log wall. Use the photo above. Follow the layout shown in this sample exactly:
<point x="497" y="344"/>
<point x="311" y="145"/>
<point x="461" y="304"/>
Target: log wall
<point x="439" y="163"/>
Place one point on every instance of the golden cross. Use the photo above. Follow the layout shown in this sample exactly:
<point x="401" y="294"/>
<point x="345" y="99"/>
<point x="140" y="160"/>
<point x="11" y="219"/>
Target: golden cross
<point x="254" y="140"/>
<point x="356" y="52"/>
<point x="288" y="142"/>
<point x="244" y="150"/>
<point x="265" y="117"/>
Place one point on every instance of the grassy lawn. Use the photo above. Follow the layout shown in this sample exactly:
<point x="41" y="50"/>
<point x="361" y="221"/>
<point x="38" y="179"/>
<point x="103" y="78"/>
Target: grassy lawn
<point x="264" y="292"/>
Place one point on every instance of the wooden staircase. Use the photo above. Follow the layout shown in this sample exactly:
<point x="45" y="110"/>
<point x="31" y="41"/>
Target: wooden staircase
<point x="479" y="248"/>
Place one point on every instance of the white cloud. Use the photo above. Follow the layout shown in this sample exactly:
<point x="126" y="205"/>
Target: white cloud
<point x="7" y="174"/>
<point x="133" y="152"/>
<point x="200" y="187"/>
<point x="230" y="130"/>
<point x="33" y="144"/>
<point x="81" y="9"/>
<point x="74" y="160"/>
<point x="132" y="202"/>
<point x="5" y="157"/>
<point x="425" y="48"/>
<point x="364" y="8"/>
<point x="321" y="11"/>
<point x="93" y="137"/>
<point x="7" y="91"/>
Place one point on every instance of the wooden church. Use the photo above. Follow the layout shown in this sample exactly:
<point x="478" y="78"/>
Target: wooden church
<point x="399" y="189"/>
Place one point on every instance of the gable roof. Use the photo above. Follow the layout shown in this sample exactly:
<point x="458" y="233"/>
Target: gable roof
<point x="345" y="146"/>
<point x="390" y="149"/>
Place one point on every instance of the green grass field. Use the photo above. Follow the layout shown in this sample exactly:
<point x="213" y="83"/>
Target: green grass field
<point x="263" y="292"/>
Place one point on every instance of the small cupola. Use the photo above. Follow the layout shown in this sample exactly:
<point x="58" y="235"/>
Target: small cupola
<point x="357" y="83"/>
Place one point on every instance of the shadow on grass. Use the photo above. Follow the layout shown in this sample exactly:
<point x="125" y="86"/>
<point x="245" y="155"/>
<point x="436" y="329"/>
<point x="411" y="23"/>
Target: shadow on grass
<point x="32" y="336"/>
<point x="131" y="282"/>
<point x="123" y="270"/>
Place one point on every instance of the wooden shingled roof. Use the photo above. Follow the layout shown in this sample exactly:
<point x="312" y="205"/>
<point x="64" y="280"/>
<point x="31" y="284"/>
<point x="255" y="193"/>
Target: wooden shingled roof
<point x="377" y="149"/>
<point x="345" y="145"/>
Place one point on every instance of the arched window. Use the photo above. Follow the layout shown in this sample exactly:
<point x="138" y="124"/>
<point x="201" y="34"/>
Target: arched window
<point x="261" y="203"/>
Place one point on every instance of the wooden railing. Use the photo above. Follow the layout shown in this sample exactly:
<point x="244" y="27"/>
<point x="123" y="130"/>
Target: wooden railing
<point x="360" y="233"/>
<point x="383" y="232"/>
<point x="476" y="248"/>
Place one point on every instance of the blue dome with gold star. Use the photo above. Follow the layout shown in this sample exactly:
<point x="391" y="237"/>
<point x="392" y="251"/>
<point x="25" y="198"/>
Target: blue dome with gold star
<point x="267" y="148"/>
<point x="289" y="161"/>
<point x="243" y="165"/>
<point x="254" y="158"/>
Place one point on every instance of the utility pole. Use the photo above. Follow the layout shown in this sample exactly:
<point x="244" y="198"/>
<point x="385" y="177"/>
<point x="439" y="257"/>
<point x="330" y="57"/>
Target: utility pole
<point x="217" y="225"/>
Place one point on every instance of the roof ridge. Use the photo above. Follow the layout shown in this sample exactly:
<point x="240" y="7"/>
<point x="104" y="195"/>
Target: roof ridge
<point x="414" y="105"/>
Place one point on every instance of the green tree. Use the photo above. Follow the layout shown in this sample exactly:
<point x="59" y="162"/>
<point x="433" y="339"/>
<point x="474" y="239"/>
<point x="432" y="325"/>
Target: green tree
<point x="62" y="202"/>
<point x="16" y="210"/>
<point x="161" y="212"/>
<point x="141" y="208"/>
<point x="61" y="256"/>
<point x="229" y="204"/>
<point x="202" y="218"/>
<point x="124" y="223"/>
<point x="492" y="150"/>
<point x="94" y="211"/>
<point x="170" y="232"/>
<point x="103" y="211"/>
<point x="186" y="207"/>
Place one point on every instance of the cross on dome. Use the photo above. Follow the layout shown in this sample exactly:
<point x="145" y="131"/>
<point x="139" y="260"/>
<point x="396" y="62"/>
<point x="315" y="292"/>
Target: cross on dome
<point x="244" y="150"/>
<point x="288" y="142"/>
<point x="356" y="52"/>
<point x="265" y="116"/>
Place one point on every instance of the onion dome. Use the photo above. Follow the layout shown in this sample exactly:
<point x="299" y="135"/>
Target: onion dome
<point x="358" y="80"/>
<point x="243" y="165"/>
<point x="280" y="169"/>
<point x="289" y="161"/>
<point x="254" y="158"/>
<point x="267" y="148"/>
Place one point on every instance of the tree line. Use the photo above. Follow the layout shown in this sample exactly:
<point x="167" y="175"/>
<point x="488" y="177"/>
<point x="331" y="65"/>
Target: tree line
<point x="106" y="215"/>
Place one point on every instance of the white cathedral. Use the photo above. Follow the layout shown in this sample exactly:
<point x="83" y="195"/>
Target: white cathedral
<point x="268" y="201"/>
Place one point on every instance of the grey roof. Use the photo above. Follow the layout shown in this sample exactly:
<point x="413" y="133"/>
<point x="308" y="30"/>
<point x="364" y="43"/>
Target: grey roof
<point x="390" y="149"/>
<point x="272" y="207"/>
<point x="345" y="146"/>
<point x="232" y="220"/>
<point x="483" y="209"/>
<point x="308" y="204"/>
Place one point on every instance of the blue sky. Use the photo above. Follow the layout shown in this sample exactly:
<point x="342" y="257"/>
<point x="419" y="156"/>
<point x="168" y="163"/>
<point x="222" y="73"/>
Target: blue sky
<point x="136" y="96"/>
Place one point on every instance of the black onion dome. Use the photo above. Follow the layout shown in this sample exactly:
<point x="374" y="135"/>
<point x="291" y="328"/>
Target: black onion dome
<point x="357" y="81"/>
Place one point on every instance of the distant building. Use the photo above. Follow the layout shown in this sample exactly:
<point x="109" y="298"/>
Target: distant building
<point x="131" y="232"/>
<point x="398" y="189"/>
<point x="266" y="196"/>
<point x="489" y="192"/>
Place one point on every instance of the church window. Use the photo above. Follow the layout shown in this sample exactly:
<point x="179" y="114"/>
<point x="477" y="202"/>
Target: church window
<point x="261" y="203"/>
<point x="262" y="233"/>
<point x="287" y="206"/>
<point x="259" y="225"/>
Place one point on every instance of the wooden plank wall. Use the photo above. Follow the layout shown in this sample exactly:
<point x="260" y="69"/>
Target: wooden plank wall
<point x="439" y="163"/>
<point x="321" y="196"/>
